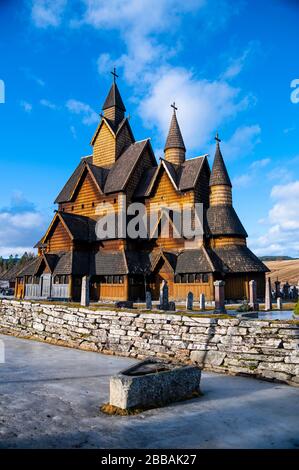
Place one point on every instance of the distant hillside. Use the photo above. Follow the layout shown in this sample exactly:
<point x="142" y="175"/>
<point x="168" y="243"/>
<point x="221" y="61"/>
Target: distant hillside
<point x="276" y="258"/>
<point x="284" y="270"/>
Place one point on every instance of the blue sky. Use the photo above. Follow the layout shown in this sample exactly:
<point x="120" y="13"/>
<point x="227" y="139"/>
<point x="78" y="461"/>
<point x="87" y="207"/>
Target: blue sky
<point x="228" y="65"/>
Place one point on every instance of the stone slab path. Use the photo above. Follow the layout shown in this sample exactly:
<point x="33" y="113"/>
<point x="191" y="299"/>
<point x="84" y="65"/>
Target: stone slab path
<point x="50" y="398"/>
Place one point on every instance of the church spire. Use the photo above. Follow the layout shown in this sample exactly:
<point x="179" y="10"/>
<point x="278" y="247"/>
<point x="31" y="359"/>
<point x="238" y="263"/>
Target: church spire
<point x="219" y="175"/>
<point x="220" y="184"/>
<point x="174" y="147"/>
<point x="113" y="106"/>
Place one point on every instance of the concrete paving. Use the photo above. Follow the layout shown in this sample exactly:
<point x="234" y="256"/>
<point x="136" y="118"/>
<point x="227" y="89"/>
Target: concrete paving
<point x="50" y="398"/>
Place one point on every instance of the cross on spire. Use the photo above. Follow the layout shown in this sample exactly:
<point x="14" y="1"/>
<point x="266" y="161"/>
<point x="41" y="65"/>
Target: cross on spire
<point x="114" y="74"/>
<point x="174" y="107"/>
<point x="217" y="138"/>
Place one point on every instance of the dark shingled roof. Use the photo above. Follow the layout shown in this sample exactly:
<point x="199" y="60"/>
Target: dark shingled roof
<point x="145" y="182"/>
<point x="108" y="263"/>
<point x="238" y="259"/>
<point x="123" y="167"/>
<point x="12" y="273"/>
<point x="31" y="268"/>
<point x="219" y="173"/>
<point x="100" y="174"/>
<point x="174" y="138"/>
<point x="114" y="98"/>
<point x="51" y="260"/>
<point x="82" y="228"/>
<point x="184" y="176"/>
<point x="189" y="172"/>
<point x="223" y="220"/>
<point x="67" y="191"/>
<point x="193" y="261"/>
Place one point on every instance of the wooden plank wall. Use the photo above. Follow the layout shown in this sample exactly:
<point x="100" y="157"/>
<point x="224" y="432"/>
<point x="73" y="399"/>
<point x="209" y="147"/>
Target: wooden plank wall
<point x="59" y="239"/>
<point x="104" y="147"/>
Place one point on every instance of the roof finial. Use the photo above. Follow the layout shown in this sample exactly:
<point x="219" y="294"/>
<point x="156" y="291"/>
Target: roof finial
<point x="114" y="74"/>
<point x="217" y="138"/>
<point x="174" y="107"/>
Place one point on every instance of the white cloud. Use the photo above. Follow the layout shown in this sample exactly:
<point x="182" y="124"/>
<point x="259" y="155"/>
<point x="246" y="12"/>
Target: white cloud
<point x="73" y="132"/>
<point x="281" y="237"/>
<point x="21" y="226"/>
<point x="236" y="65"/>
<point x="283" y="175"/>
<point x="203" y="105"/>
<point x="48" y="104"/>
<point x="242" y="181"/>
<point x="88" y="115"/>
<point x="260" y="163"/>
<point x="47" y="13"/>
<point x="242" y="142"/>
<point x="26" y="106"/>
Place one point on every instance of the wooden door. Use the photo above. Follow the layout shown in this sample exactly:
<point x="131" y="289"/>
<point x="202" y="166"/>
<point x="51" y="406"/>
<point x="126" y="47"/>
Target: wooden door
<point x="46" y="285"/>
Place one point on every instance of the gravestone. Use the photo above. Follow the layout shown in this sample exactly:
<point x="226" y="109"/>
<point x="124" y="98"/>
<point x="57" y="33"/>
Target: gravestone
<point x="279" y="303"/>
<point x="148" y="300"/>
<point x="164" y="303"/>
<point x="253" y="295"/>
<point x="85" y="291"/>
<point x="189" y="301"/>
<point x="277" y="289"/>
<point x="268" y="295"/>
<point x="219" y="297"/>
<point x="202" y="302"/>
<point x="286" y="290"/>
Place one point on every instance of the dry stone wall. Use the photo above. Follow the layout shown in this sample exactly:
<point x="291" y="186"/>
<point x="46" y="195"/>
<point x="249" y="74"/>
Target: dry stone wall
<point x="264" y="349"/>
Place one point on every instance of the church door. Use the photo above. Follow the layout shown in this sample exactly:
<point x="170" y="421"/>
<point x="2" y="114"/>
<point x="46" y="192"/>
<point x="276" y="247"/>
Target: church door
<point x="46" y="285"/>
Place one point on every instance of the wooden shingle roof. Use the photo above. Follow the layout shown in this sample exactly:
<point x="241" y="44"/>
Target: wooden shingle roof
<point x="223" y="220"/>
<point x="194" y="261"/>
<point x="174" y="138"/>
<point x="219" y="175"/>
<point x="124" y="166"/>
<point x="238" y="259"/>
<point x="184" y="177"/>
<point x="114" y="98"/>
<point x="68" y="189"/>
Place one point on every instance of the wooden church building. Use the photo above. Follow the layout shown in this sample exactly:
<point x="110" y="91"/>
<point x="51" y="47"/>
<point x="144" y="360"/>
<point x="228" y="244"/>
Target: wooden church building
<point x="120" y="171"/>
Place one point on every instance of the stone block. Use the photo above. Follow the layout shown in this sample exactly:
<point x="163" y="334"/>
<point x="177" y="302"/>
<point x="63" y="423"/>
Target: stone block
<point x="153" y="383"/>
<point x="203" y="358"/>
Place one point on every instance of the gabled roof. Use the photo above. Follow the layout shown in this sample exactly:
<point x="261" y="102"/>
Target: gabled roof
<point x="174" y="138"/>
<point x="114" y="128"/>
<point x="124" y="166"/>
<point x="98" y="174"/>
<point x="68" y="189"/>
<point x="114" y="98"/>
<point x="79" y="227"/>
<point x="219" y="175"/>
<point x="238" y="259"/>
<point x="194" y="261"/>
<point x="223" y="220"/>
<point x="12" y="272"/>
<point x="183" y="177"/>
<point x="190" y="171"/>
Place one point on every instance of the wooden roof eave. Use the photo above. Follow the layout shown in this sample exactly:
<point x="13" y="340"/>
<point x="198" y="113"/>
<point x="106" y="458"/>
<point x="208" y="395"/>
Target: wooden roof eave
<point x="51" y="225"/>
<point x="103" y="120"/>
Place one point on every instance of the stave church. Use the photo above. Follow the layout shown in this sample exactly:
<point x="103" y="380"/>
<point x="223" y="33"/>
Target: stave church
<point x="119" y="172"/>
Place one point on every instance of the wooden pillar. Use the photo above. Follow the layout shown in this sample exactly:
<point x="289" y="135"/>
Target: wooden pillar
<point x="126" y="287"/>
<point x="70" y="287"/>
